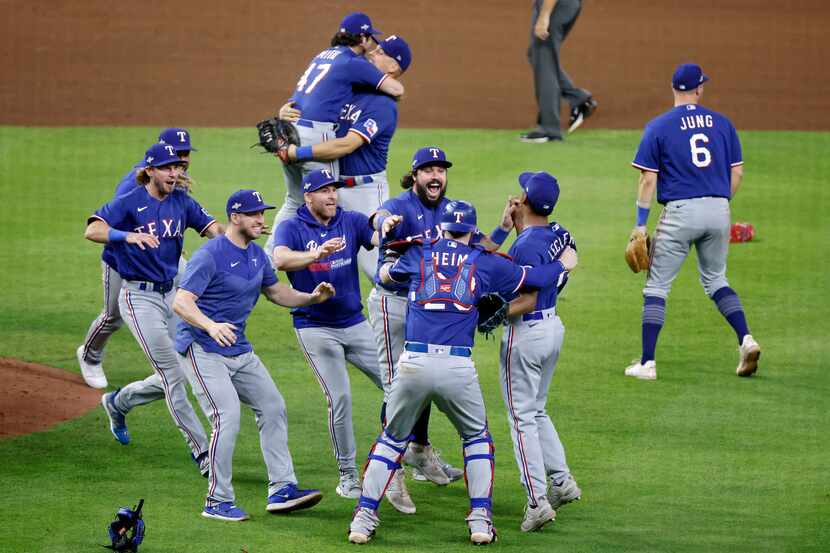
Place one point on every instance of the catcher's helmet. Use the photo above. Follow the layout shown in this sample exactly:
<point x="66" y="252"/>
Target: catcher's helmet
<point x="458" y="216"/>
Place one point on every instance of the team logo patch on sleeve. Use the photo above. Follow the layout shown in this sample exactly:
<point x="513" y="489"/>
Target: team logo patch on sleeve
<point x="371" y="127"/>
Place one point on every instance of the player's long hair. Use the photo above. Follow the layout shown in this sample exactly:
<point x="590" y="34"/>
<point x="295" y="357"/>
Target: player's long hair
<point x="408" y="181"/>
<point x="142" y="177"/>
<point x="346" y="39"/>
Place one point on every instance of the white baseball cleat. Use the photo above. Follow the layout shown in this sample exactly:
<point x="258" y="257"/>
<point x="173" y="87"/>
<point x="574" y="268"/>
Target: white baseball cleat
<point x="364" y="523"/>
<point x="750" y="353"/>
<point x="398" y="495"/>
<point x="564" y="492"/>
<point x="536" y="517"/>
<point x="643" y="371"/>
<point x="423" y="458"/>
<point x="349" y="486"/>
<point x="482" y="531"/>
<point x="93" y="374"/>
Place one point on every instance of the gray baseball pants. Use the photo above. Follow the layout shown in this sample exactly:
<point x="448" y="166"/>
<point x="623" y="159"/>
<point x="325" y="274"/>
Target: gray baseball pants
<point x="311" y="132"/>
<point x="387" y="314"/>
<point x="451" y="382"/>
<point x="226" y="383"/>
<point x="528" y="355"/>
<point x="327" y="350"/>
<point x="550" y="81"/>
<point x="369" y="192"/>
<point x="699" y="222"/>
<point x="149" y="315"/>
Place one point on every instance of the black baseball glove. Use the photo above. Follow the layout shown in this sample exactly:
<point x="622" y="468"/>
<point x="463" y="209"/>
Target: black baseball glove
<point x="492" y="312"/>
<point x="276" y="135"/>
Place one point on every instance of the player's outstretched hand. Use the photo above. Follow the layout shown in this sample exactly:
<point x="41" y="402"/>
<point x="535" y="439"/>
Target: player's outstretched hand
<point x="329" y="247"/>
<point x="507" y="215"/>
<point x="223" y="334"/>
<point x="322" y="292"/>
<point x="389" y="223"/>
<point x="568" y="258"/>
<point x="289" y="113"/>
<point x="142" y="240"/>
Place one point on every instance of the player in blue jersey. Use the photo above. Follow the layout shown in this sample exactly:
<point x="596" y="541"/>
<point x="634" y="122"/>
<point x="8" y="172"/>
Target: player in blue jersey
<point x="320" y="244"/>
<point x="91" y="352"/>
<point x="446" y="279"/>
<point x="419" y="206"/>
<point x="219" y="289"/>
<point x="530" y="346"/>
<point x="146" y="230"/>
<point x="366" y="126"/>
<point x="692" y="156"/>
<point x="322" y="91"/>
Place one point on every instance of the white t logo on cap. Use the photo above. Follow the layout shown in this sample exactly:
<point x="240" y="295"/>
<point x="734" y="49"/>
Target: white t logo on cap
<point x="434" y="152"/>
<point x="182" y="135"/>
<point x="458" y="216"/>
<point x="391" y="37"/>
<point x="258" y="196"/>
<point x="326" y="173"/>
<point x="170" y="150"/>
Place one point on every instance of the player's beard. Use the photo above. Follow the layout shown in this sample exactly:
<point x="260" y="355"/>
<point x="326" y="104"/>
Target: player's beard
<point x="422" y="193"/>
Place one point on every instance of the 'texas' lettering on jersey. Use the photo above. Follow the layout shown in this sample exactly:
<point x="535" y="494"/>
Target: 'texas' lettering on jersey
<point x="168" y="230"/>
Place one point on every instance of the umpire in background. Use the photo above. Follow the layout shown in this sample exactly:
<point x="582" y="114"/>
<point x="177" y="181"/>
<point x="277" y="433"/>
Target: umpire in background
<point x="552" y="21"/>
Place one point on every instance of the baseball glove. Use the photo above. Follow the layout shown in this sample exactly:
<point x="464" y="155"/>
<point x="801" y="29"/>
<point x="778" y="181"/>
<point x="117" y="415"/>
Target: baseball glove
<point x="127" y="532"/>
<point x="637" y="251"/>
<point x="276" y="135"/>
<point x="492" y="312"/>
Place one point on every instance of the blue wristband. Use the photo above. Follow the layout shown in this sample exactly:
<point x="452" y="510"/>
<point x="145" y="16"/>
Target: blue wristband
<point x="304" y="153"/>
<point x="499" y="235"/>
<point x="642" y="215"/>
<point x="116" y="235"/>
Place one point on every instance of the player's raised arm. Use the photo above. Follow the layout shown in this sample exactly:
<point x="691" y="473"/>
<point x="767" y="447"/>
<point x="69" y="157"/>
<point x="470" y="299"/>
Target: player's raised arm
<point x="327" y="151"/>
<point x="286" y="296"/>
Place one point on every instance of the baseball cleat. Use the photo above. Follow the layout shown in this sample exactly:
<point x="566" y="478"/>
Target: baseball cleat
<point x="580" y="113"/>
<point x="538" y="137"/>
<point x="536" y="517"/>
<point x="750" y="353"/>
<point x="564" y="492"/>
<point x="349" y="486"/>
<point x="203" y="462"/>
<point x="643" y="371"/>
<point x="290" y="498"/>
<point x="423" y="458"/>
<point x="452" y="473"/>
<point x="225" y="511"/>
<point x="362" y="528"/>
<point x="398" y="495"/>
<point x="482" y="531"/>
<point x="93" y="374"/>
<point x="118" y="424"/>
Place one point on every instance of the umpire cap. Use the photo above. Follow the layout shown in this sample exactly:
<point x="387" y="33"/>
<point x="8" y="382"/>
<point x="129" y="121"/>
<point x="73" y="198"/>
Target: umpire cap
<point x="458" y="216"/>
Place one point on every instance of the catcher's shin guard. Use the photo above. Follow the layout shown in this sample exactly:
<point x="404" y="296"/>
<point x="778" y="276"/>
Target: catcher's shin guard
<point x="383" y="460"/>
<point x="479" y="468"/>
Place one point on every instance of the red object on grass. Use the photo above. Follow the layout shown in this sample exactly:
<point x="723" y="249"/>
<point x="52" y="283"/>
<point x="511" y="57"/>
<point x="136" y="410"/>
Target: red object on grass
<point x="741" y="232"/>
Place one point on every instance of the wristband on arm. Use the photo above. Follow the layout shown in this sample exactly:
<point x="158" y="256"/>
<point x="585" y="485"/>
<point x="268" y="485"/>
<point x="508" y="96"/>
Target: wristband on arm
<point x="642" y="215"/>
<point x="116" y="235"/>
<point x="499" y="235"/>
<point x="303" y="153"/>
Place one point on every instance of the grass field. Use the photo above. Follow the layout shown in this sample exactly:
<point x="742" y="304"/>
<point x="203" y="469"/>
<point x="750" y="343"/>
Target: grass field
<point x="699" y="460"/>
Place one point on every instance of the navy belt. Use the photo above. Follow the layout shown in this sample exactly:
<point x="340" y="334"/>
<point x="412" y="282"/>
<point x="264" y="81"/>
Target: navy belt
<point x="160" y="287"/>
<point x="420" y="347"/>
<point x="533" y="316"/>
<point x="305" y="123"/>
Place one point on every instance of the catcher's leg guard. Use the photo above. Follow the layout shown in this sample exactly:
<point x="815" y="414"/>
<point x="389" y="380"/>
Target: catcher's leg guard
<point x="383" y="460"/>
<point x="479" y="467"/>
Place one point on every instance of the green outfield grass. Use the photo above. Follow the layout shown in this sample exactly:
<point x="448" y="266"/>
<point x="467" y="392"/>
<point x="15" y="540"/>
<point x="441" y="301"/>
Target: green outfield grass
<point x="699" y="460"/>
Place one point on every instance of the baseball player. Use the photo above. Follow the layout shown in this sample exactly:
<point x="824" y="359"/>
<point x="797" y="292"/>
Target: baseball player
<point x="366" y="126"/>
<point x="692" y="156"/>
<point x="530" y="347"/>
<point x="145" y="229"/>
<point x="320" y="244"/>
<point x="322" y="91"/>
<point x="90" y="354"/>
<point x="220" y="287"/>
<point x="419" y="206"/>
<point x="446" y="278"/>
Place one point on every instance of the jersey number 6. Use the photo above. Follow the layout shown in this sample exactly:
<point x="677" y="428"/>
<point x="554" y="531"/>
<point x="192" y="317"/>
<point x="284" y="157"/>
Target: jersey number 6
<point x="701" y="156"/>
<point x="323" y="68"/>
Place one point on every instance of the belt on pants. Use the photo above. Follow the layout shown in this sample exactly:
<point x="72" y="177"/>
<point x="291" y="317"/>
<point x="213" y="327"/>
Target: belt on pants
<point x="311" y="124"/>
<point x="160" y="287"/>
<point x="420" y="347"/>
<point x="354" y="181"/>
<point x="549" y="313"/>
<point x="387" y="292"/>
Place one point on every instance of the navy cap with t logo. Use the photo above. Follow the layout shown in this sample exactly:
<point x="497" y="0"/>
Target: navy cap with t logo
<point x="542" y="191"/>
<point x="246" y="201"/>
<point x="178" y="138"/>
<point x="688" y="76"/>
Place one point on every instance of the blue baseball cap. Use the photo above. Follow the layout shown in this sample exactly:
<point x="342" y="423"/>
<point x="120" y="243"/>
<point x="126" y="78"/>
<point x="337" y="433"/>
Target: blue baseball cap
<point x="688" y="76"/>
<point x="318" y="179"/>
<point x="161" y="154"/>
<point x="542" y="191"/>
<point x="178" y="138"/>
<point x="246" y="201"/>
<point x="431" y="155"/>
<point x="358" y="23"/>
<point x="396" y="48"/>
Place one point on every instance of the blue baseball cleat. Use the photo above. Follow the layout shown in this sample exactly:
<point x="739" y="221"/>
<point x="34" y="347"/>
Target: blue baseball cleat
<point x="290" y="498"/>
<point x="225" y="511"/>
<point x="118" y="424"/>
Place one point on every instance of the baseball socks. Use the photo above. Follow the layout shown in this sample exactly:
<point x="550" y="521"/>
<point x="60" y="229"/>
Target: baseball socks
<point x="729" y="305"/>
<point x="654" y="316"/>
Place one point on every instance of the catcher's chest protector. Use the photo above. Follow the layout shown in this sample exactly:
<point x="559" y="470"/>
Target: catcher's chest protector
<point x="437" y="292"/>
